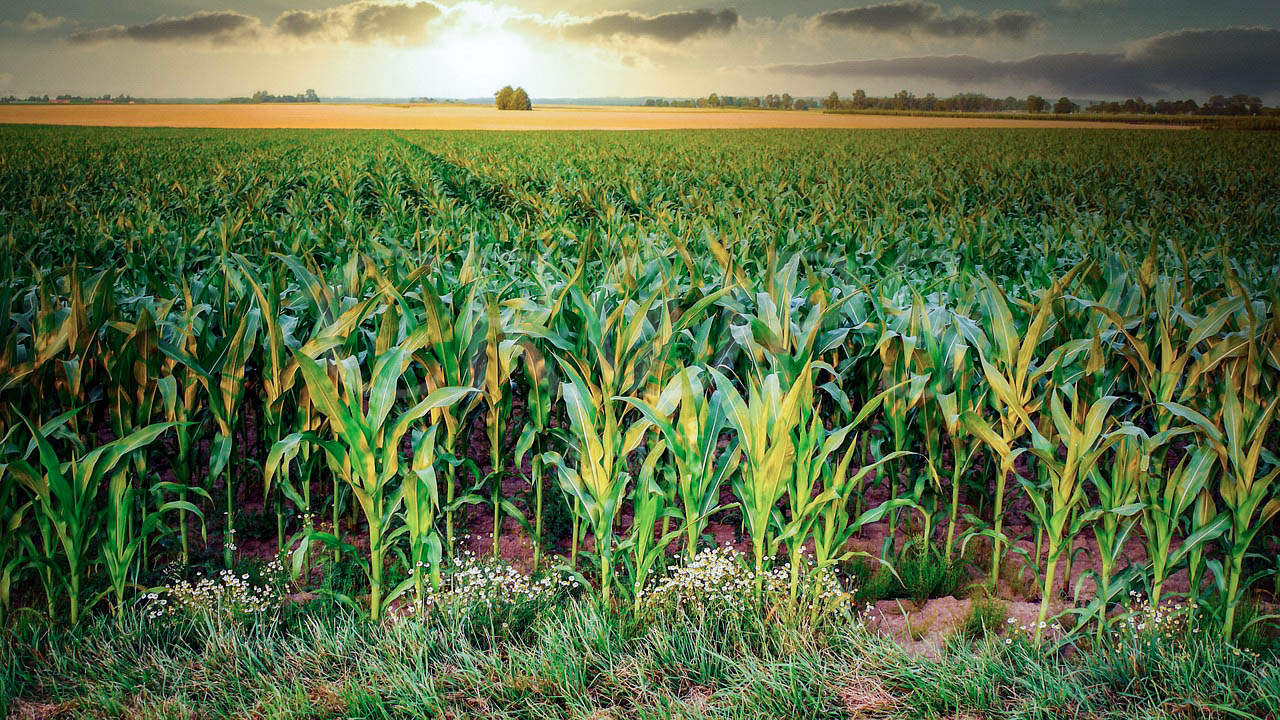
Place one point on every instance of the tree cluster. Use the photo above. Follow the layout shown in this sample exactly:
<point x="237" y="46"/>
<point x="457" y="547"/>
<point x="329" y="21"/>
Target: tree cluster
<point x="262" y="96"/>
<point x="513" y="99"/>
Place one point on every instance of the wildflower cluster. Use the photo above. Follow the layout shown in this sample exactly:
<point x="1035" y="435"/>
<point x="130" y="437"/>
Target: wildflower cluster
<point x="1167" y="622"/>
<point x="489" y="584"/>
<point x="1028" y="630"/>
<point x="226" y="595"/>
<point x="721" y="580"/>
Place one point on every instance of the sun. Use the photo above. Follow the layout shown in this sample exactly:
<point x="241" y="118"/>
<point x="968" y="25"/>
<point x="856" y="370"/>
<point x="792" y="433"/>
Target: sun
<point x="477" y="54"/>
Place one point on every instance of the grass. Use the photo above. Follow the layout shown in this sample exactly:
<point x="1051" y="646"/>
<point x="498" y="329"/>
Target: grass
<point x="916" y="572"/>
<point x="986" y="617"/>
<point x="570" y="659"/>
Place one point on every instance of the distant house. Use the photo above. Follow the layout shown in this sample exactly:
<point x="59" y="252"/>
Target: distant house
<point x="101" y="101"/>
<point x="63" y="101"/>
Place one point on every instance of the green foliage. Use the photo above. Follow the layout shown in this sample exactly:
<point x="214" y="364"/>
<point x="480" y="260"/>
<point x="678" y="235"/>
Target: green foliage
<point x="387" y="327"/>
<point x="986" y="618"/>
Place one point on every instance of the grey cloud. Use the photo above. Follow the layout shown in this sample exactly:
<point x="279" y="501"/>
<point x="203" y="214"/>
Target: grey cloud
<point x="1232" y="59"/>
<point x="37" y="22"/>
<point x="33" y="23"/>
<point x="362" y="22"/>
<point x="215" y="28"/>
<point x="668" y="27"/>
<point x="915" y="17"/>
<point x="1082" y="4"/>
<point x="1239" y="59"/>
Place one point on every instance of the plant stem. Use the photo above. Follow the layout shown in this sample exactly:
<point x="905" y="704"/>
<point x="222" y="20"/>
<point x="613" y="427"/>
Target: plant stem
<point x="229" y="536"/>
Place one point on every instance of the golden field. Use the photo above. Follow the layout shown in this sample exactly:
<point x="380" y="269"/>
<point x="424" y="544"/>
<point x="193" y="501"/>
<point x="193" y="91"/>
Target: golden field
<point x="480" y="117"/>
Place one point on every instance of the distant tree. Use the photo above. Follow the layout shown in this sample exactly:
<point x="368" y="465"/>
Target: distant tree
<point x="832" y="101"/>
<point x="713" y="100"/>
<point x="1234" y="105"/>
<point x="311" y="95"/>
<point x="1064" y="106"/>
<point x="802" y="104"/>
<point x="787" y="101"/>
<point x="520" y="100"/>
<point x="1036" y="104"/>
<point x="504" y="97"/>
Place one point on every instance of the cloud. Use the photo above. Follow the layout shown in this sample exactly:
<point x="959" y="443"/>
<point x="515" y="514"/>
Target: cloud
<point x="915" y="17"/>
<point x="1237" y="59"/>
<point x="34" y="22"/>
<point x="223" y="27"/>
<point x="406" y="22"/>
<point x="38" y="22"/>
<point x="1082" y="4"/>
<point x="668" y="27"/>
<point x="360" y="22"/>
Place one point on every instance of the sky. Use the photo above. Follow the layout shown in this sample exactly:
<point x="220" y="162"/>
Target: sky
<point x="579" y="48"/>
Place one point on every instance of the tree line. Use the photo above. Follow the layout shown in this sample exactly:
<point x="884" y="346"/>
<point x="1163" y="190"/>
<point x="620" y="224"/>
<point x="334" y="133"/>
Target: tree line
<point x="785" y="101"/>
<point x="1035" y="104"/>
<point x="67" y="98"/>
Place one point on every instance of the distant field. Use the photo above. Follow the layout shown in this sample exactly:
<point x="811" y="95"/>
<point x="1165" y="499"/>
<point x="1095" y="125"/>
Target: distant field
<point x="478" y="117"/>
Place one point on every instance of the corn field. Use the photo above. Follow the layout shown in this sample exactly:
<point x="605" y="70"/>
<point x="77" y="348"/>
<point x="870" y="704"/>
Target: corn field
<point x="372" y="339"/>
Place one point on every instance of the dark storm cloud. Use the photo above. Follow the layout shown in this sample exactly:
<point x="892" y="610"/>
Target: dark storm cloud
<point x="914" y="17"/>
<point x="361" y="22"/>
<point x="1231" y="59"/>
<point x="1241" y="59"/>
<point x="669" y="27"/>
<point x="216" y="28"/>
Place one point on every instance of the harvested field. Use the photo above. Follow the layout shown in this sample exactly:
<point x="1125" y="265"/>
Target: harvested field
<point x="479" y="117"/>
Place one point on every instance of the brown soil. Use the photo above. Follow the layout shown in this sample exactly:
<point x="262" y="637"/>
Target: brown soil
<point x="480" y="117"/>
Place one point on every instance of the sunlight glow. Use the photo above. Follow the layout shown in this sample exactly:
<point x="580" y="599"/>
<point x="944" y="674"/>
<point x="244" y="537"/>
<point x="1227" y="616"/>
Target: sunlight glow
<point x="475" y="54"/>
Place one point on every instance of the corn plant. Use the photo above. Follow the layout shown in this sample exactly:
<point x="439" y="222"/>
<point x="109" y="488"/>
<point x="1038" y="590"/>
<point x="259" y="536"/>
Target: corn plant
<point x="12" y="516"/>
<point x="364" y="446"/>
<point x="501" y="353"/>
<point x="67" y="496"/>
<point x="1083" y="431"/>
<point x="224" y="385"/>
<point x="1006" y="356"/>
<point x="1245" y="483"/>
<point x="904" y="363"/>
<point x="764" y="424"/>
<point x="598" y="482"/>
<point x="278" y="376"/>
<point x="449" y="345"/>
<point x="179" y="390"/>
<point x="126" y="536"/>
<point x="1169" y="502"/>
<point x="640" y="549"/>
<point x="421" y="508"/>
<point x="817" y="493"/>
<point x="538" y="374"/>
<point x="690" y="425"/>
